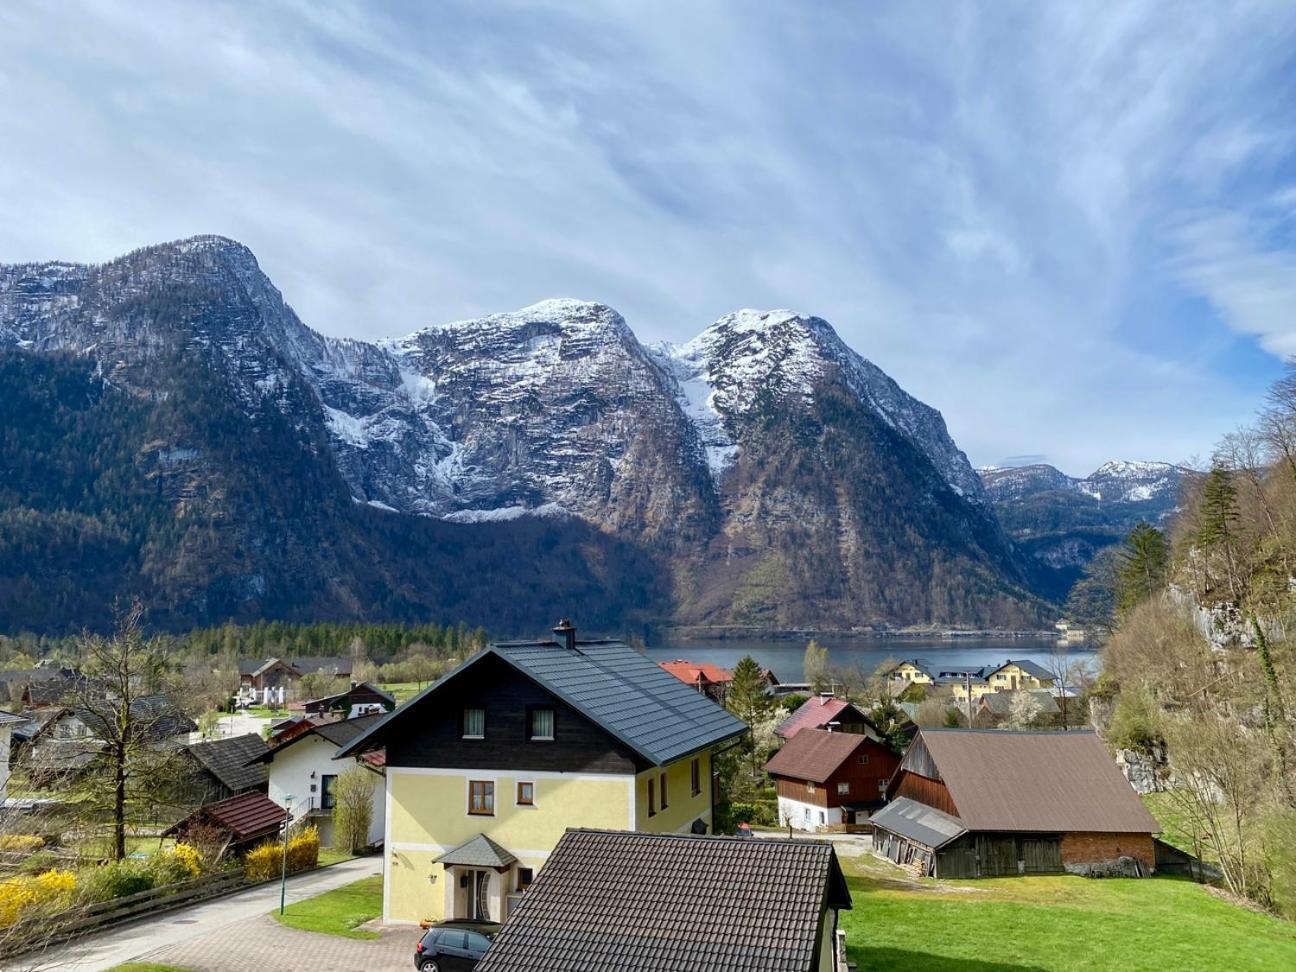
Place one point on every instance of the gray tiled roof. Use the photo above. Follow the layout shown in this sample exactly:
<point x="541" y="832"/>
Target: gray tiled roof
<point x="634" y="901"/>
<point x="480" y="851"/>
<point x="629" y="696"/>
<point x="1027" y="666"/>
<point x="228" y="760"/>
<point x="918" y="822"/>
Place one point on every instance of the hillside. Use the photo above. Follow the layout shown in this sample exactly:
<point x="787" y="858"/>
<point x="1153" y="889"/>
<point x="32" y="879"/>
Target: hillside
<point x="178" y="432"/>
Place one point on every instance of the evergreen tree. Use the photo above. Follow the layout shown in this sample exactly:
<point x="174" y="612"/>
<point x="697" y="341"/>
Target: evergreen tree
<point x="1143" y="563"/>
<point x="1216" y="519"/>
<point x="746" y="697"/>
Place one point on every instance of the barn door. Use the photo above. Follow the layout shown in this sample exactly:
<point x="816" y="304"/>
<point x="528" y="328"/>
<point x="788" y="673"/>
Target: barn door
<point x="1042" y="855"/>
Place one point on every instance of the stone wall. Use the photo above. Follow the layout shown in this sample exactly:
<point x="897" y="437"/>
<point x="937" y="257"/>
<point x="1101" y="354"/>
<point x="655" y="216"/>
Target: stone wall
<point x="1107" y="855"/>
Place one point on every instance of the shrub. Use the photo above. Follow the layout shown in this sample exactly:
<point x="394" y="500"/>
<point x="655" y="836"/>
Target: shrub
<point x="191" y="857"/>
<point x="23" y="897"/>
<point x="264" y="861"/>
<point x="21" y="842"/>
<point x="39" y="862"/>
<point x="119" y="879"/>
<point x="353" y="814"/>
<point x="171" y="867"/>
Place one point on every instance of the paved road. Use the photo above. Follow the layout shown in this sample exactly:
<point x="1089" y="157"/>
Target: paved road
<point x="225" y="919"/>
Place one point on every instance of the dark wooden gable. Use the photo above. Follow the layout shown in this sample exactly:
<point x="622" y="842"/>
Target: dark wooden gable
<point x="918" y="778"/>
<point x="432" y="736"/>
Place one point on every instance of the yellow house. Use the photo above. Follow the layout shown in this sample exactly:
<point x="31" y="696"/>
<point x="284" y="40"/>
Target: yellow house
<point x="979" y="687"/>
<point x="911" y="671"/>
<point x="1014" y="675"/>
<point x="489" y="767"/>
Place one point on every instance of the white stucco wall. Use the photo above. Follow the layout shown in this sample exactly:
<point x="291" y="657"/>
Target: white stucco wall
<point x="794" y="812"/>
<point x="290" y="773"/>
<point x="4" y="762"/>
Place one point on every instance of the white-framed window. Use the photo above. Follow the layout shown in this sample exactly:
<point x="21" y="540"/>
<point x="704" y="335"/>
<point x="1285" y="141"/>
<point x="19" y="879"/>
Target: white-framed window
<point x="810" y="786"/>
<point x="474" y="723"/>
<point x="542" y="724"/>
<point x="843" y="789"/>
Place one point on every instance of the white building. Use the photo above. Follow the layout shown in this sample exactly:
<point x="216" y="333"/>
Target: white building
<point x="7" y="722"/>
<point x="303" y="768"/>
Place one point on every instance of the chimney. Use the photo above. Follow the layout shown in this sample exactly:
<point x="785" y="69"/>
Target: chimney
<point x="566" y="632"/>
<point x="833" y="726"/>
<point x="825" y="697"/>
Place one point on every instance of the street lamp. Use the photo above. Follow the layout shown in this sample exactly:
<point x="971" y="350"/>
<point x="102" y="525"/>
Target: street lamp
<point x="283" y="864"/>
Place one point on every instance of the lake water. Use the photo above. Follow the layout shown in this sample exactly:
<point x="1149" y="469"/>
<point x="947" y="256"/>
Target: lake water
<point x="785" y="657"/>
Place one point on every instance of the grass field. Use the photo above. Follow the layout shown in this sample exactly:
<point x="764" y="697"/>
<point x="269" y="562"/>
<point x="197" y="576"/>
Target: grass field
<point x="403" y="691"/>
<point x="338" y="912"/>
<point x="146" y="967"/>
<point x="1059" y="923"/>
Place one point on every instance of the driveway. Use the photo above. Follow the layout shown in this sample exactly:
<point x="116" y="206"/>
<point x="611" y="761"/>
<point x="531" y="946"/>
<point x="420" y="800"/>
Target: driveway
<point x="224" y="930"/>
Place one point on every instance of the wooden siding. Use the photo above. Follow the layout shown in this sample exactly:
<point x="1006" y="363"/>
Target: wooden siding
<point x="931" y="792"/>
<point x="797" y="790"/>
<point x="435" y="738"/>
<point x="918" y="760"/>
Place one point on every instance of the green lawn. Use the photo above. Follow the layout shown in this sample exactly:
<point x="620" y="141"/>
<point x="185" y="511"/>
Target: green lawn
<point x="338" y="912"/>
<point x="1054" y="923"/>
<point x="1175" y="827"/>
<point x="403" y="691"/>
<point x="331" y="855"/>
<point x="146" y="967"/>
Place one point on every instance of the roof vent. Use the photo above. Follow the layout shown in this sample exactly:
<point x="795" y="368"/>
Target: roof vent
<point x="825" y="697"/>
<point x="566" y="632"/>
<point x="833" y="725"/>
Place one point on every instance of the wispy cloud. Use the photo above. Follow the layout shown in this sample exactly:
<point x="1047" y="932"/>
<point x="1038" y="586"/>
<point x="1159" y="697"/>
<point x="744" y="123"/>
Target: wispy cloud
<point x="1006" y="205"/>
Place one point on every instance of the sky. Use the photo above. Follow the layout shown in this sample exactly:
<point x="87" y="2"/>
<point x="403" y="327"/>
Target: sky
<point x="1070" y="226"/>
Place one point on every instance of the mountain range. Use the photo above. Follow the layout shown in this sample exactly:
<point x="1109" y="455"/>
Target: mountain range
<point x="1062" y="522"/>
<point x="172" y="430"/>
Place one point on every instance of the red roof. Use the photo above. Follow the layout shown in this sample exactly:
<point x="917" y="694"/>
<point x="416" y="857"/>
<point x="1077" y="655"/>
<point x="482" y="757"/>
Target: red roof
<point x="815" y="754"/>
<point x="815" y="713"/>
<point x="244" y="817"/>
<point x="695" y="673"/>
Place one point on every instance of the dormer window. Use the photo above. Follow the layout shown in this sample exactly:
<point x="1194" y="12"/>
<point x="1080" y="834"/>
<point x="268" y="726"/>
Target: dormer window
<point x="542" y="725"/>
<point x="474" y="723"/>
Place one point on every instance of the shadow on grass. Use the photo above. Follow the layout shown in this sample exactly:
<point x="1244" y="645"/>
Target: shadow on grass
<point x="899" y="959"/>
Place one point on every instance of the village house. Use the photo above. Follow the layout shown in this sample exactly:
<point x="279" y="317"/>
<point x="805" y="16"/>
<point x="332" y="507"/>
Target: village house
<point x="488" y="767"/>
<point x="828" y="780"/>
<point x="361" y="699"/>
<point x="712" y="680"/>
<point x="642" y="902"/>
<point x="242" y="821"/>
<point x="824" y="711"/>
<point x="987" y="802"/>
<point x="997" y="707"/>
<point x="911" y="671"/>
<point x="1021" y="674"/>
<point x="224" y="768"/>
<point x="7" y="723"/>
<point x="280" y="676"/>
<point x="305" y="766"/>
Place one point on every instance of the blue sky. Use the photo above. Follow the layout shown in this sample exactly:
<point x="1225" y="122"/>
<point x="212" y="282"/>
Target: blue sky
<point x="1069" y="226"/>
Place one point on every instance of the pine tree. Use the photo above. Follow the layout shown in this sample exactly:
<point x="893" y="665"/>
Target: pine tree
<point x="1216" y="519"/>
<point x="1143" y="563"/>
<point x="746" y="697"/>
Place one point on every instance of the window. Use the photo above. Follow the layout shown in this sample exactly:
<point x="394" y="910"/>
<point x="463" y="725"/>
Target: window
<point x="882" y="786"/>
<point x="524" y="876"/>
<point x="481" y="797"/>
<point x="695" y="777"/>
<point x="474" y="724"/>
<point x="863" y="760"/>
<point x="809" y="786"/>
<point x="478" y="942"/>
<point x="542" y="724"/>
<point x="823" y="818"/>
<point x="663" y="791"/>
<point x="843" y="789"/>
<point x="452" y="938"/>
<point x="652" y="790"/>
<point x="328" y="794"/>
<point x="526" y="794"/>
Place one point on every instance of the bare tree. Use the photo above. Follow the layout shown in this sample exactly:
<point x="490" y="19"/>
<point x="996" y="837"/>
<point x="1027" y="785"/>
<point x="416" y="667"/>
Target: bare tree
<point x="353" y="811"/>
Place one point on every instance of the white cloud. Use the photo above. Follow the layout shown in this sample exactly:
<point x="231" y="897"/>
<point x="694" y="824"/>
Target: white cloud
<point x="971" y="193"/>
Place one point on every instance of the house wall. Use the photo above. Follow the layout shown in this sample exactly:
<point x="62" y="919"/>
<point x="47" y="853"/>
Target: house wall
<point x="806" y="816"/>
<point x="683" y="807"/>
<point x="290" y="773"/>
<point x="579" y="745"/>
<point x="800" y="791"/>
<point x="1080" y="849"/>
<point x="428" y="815"/>
<point x="4" y="761"/>
<point x="867" y="781"/>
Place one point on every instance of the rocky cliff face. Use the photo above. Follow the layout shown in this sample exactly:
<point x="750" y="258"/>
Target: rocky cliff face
<point x="778" y="476"/>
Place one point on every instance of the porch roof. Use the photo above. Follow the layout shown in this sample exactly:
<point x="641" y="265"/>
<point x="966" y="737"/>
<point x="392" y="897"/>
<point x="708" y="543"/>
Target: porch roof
<point x="480" y="851"/>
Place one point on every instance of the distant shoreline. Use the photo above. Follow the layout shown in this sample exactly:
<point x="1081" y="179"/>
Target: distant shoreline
<point x="684" y="633"/>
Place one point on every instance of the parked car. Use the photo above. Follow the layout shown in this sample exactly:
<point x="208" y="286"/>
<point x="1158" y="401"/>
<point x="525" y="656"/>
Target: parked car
<point x="450" y="946"/>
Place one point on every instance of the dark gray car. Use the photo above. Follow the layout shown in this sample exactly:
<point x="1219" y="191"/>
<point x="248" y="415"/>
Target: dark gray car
<point x="452" y="946"/>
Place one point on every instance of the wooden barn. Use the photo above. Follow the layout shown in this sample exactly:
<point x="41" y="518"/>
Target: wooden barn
<point x="983" y="803"/>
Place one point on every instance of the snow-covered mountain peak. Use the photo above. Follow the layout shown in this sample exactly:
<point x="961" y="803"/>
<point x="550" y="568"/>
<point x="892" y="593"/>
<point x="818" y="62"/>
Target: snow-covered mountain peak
<point x="1131" y="468"/>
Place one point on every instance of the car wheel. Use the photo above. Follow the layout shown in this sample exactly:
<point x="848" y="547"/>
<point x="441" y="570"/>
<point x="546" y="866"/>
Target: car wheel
<point x="430" y="966"/>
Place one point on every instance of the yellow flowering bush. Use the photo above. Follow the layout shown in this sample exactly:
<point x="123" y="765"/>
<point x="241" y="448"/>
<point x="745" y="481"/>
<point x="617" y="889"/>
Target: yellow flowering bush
<point x="21" y="842"/>
<point x="190" y="857"/>
<point x="303" y="849"/>
<point x="264" y="861"/>
<point x="21" y="897"/>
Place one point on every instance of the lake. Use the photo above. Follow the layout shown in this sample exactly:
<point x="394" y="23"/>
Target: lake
<point x="785" y="657"/>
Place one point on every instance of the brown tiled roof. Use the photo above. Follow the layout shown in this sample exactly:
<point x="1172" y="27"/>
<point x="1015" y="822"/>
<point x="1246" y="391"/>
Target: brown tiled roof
<point x="814" y="754"/>
<point x="1031" y="781"/>
<point x="244" y="817"/>
<point x="633" y="901"/>
<point x="815" y="713"/>
<point x="694" y="673"/>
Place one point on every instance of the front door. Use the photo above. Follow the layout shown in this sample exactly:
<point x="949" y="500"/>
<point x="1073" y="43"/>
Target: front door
<point x="479" y="896"/>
